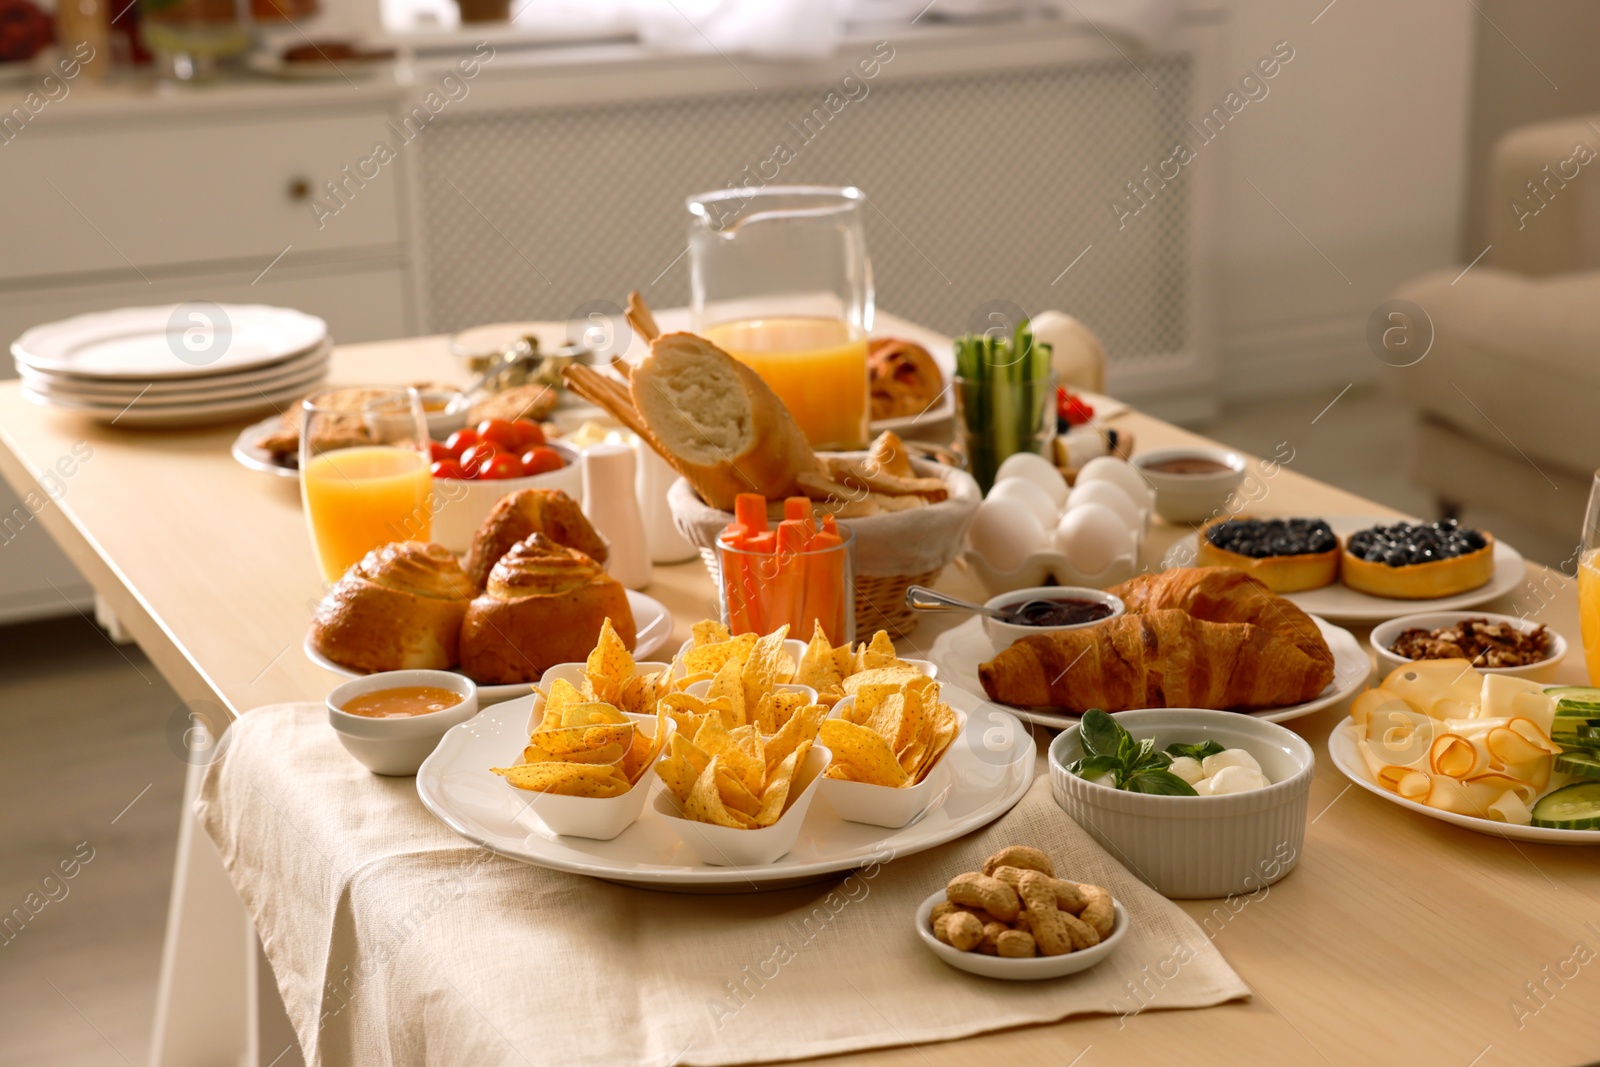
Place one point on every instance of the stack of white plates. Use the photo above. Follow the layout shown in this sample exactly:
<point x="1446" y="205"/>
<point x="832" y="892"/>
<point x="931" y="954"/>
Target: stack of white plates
<point x="174" y="365"/>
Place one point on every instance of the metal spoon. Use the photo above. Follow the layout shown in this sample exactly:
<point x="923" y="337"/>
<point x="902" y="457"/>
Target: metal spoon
<point x="921" y="598"/>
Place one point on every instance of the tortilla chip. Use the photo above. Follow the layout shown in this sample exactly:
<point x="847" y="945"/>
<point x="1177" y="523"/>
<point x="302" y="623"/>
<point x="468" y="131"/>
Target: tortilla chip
<point x="709" y="632"/>
<point x="775" y="798"/>
<point x="567" y="779"/>
<point x="818" y="668"/>
<point x="895" y="676"/>
<point x="715" y="741"/>
<point x="729" y="686"/>
<point x="801" y="728"/>
<point x="767" y="661"/>
<point x="712" y="657"/>
<point x="880" y="653"/>
<point x="562" y="695"/>
<point x="862" y="754"/>
<point x="705" y="802"/>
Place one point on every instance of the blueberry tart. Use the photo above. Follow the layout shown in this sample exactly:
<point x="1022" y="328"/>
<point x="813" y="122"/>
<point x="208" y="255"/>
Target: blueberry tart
<point x="1417" y="561"/>
<point x="1289" y="555"/>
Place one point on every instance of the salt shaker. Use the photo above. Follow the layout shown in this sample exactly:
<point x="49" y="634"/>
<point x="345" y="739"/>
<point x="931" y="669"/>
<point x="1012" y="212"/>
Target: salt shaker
<point x="613" y="509"/>
<point x="667" y="545"/>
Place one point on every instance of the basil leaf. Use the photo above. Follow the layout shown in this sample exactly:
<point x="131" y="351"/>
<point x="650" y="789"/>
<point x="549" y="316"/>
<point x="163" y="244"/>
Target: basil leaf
<point x="1102" y="735"/>
<point x="1160" y="783"/>
<point x="1094" y="766"/>
<point x="1198" y="752"/>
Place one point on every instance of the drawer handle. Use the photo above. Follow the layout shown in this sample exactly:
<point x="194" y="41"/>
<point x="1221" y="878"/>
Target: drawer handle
<point x="299" y="189"/>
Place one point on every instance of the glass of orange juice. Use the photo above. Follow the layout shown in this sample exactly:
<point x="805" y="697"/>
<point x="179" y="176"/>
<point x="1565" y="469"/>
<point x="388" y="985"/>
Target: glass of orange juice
<point x="1589" y="584"/>
<point x="779" y="279"/>
<point x="364" y="474"/>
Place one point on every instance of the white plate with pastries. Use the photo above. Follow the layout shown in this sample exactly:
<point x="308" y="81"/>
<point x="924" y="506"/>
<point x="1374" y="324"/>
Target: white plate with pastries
<point x="960" y="650"/>
<point x="652" y="623"/>
<point x="1340" y="602"/>
<point x="991" y="766"/>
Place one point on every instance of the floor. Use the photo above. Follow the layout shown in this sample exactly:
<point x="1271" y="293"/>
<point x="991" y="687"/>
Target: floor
<point x="88" y="777"/>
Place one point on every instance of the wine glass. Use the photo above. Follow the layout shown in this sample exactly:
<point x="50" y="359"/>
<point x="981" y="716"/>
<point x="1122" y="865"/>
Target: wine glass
<point x="364" y="475"/>
<point x="779" y="279"/>
<point x="1589" y="583"/>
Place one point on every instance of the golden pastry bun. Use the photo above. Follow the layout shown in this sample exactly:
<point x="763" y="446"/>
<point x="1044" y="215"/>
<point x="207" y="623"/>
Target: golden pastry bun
<point x="544" y="604"/>
<point x="400" y="608"/>
<point x="518" y="516"/>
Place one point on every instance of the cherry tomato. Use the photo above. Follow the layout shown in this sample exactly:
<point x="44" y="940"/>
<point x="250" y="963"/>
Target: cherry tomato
<point x="500" y="465"/>
<point x="529" y="433"/>
<point x="501" y="433"/>
<point x="541" y="460"/>
<point x="460" y="441"/>
<point x="473" y="457"/>
<point x="438" y="451"/>
<point x="448" y="468"/>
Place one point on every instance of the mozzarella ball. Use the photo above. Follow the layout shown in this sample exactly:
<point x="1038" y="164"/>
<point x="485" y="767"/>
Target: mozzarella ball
<point x="1032" y="467"/>
<point x="1230" y="757"/>
<point x="1202" y="787"/>
<point x="1187" y="768"/>
<point x="1236" y="779"/>
<point x="1029" y="496"/>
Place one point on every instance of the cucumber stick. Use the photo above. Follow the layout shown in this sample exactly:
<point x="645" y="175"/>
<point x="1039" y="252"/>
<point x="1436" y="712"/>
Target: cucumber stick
<point x="1572" y="807"/>
<point x="1579" y="764"/>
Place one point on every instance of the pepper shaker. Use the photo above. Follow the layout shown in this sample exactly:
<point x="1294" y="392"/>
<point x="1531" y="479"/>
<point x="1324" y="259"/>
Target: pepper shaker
<point x="610" y="504"/>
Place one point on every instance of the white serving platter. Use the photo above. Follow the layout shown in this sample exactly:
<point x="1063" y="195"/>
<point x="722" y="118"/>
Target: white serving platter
<point x="959" y="651"/>
<point x="1346" y="756"/>
<point x="652" y="625"/>
<point x="990" y="771"/>
<point x="1339" y="602"/>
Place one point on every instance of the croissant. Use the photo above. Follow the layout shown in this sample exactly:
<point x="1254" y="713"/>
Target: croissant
<point x="518" y="516"/>
<point x="544" y="604"/>
<point x="400" y="608"/>
<point x="1158" y="659"/>
<point x="1222" y="594"/>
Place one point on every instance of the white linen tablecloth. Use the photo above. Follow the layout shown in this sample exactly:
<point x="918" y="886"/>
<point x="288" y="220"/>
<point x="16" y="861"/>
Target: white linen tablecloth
<point x="396" y="942"/>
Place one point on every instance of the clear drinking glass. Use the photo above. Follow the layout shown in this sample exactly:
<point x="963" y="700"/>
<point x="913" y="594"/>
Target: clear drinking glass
<point x="996" y="418"/>
<point x="779" y="279"/>
<point x="1589" y="584"/>
<point x="759" y="591"/>
<point x="364" y="475"/>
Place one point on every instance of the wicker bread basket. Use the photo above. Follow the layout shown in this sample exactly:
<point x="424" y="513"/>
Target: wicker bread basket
<point x="893" y="552"/>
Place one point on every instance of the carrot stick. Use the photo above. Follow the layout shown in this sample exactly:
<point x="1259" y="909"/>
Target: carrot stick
<point x="750" y="509"/>
<point x="788" y="592"/>
<point x="824" y="590"/>
<point x="797" y="508"/>
<point x="829" y="524"/>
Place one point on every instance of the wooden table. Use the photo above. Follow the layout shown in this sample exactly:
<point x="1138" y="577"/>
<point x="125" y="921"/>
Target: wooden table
<point x="1398" y="939"/>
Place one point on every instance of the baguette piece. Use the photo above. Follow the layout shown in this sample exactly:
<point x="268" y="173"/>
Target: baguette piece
<point x="718" y="423"/>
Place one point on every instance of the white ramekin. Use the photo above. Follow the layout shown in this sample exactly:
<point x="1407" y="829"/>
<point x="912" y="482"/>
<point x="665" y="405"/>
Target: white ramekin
<point x="1005" y="634"/>
<point x="397" y="747"/>
<point x="1191" y="497"/>
<point x="1386" y="633"/>
<point x="1197" y="847"/>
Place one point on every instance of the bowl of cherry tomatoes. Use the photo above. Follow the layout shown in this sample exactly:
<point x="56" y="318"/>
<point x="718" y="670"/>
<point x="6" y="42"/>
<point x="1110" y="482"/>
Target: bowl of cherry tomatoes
<point x="477" y="465"/>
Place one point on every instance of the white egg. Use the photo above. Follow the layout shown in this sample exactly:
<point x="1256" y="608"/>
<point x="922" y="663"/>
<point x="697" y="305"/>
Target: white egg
<point x="1005" y="533"/>
<point x="1236" y="779"/>
<point x="1092" y="537"/>
<point x="1032" y="467"/>
<point x="1119" y="472"/>
<point x="1230" y="757"/>
<point x="1187" y="768"/>
<point x="1111" y="495"/>
<point x="1030" y="496"/>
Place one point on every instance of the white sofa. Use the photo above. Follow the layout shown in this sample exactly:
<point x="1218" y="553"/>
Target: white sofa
<point x="1508" y="397"/>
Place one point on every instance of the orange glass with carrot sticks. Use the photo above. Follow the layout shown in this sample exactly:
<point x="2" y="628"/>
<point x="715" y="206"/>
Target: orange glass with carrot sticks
<point x="797" y="570"/>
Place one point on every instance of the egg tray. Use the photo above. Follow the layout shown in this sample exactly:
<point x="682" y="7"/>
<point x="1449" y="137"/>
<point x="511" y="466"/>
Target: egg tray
<point x="1051" y="567"/>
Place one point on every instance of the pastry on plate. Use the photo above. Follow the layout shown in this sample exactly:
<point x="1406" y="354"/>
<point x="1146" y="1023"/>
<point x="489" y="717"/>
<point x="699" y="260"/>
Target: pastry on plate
<point x="334" y="431"/>
<point x="904" y="378"/>
<point x="532" y="401"/>
<point x="544" y="604"/>
<point x="1287" y="555"/>
<point x="400" y="608"/>
<point x="1417" y="561"/>
<point x="1196" y="637"/>
<point x="518" y="516"/>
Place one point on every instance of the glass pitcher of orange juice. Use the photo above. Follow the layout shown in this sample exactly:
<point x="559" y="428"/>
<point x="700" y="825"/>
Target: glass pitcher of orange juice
<point x="1589" y="584"/>
<point x="364" y="474"/>
<point x="779" y="279"/>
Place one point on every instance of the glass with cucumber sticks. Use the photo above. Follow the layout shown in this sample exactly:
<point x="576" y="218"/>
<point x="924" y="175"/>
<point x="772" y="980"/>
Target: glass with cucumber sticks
<point x="1005" y="399"/>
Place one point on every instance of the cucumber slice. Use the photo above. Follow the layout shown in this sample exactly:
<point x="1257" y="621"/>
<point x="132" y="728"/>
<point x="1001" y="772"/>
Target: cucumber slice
<point x="1572" y="807"/>
<point x="1583" y="694"/>
<point x="1579" y="764"/>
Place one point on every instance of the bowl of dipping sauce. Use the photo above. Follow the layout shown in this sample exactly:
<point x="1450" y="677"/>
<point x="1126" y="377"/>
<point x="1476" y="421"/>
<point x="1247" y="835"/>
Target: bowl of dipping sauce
<point x="1059" y="607"/>
<point x="1191" y="484"/>
<point x="393" y="720"/>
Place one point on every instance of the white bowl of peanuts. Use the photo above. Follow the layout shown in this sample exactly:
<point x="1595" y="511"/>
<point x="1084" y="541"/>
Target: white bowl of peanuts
<point x="1017" y="921"/>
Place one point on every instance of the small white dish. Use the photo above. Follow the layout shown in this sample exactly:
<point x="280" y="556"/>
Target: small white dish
<point x="1019" y="970"/>
<point x="1005" y="634"/>
<point x="880" y="805"/>
<point x="726" y="846"/>
<point x="1186" y="498"/>
<point x="594" y="818"/>
<point x="397" y="747"/>
<point x="1190" y="848"/>
<point x="461" y="505"/>
<point x="1387" y="633"/>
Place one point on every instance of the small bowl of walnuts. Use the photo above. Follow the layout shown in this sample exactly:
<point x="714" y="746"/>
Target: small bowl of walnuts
<point x="1017" y="921"/>
<point x="1496" y="644"/>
